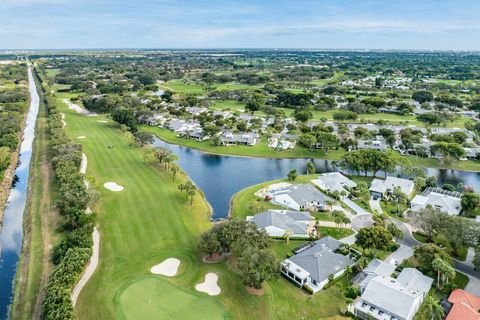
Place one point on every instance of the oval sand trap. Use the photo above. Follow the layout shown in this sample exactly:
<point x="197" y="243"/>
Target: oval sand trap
<point x="81" y="137"/>
<point x="210" y="285"/>
<point x="168" y="267"/>
<point x="113" y="186"/>
<point x="103" y="121"/>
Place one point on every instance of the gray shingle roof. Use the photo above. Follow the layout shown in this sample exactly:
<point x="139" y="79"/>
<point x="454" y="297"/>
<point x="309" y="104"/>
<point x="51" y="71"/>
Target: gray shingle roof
<point x="292" y="220"/>
<point x="307" y="193"/>
<point x="320" y="260"/>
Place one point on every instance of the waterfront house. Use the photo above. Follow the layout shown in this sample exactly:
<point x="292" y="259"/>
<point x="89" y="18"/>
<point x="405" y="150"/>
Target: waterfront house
<point x="312" y="266"/>
<point x="301" y="197"/>
<point x="278" y="222"/>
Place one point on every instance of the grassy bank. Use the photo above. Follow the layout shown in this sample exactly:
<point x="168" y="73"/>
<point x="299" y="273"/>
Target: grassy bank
<point x="40" y="228"/>
<point x="261" y="150"/>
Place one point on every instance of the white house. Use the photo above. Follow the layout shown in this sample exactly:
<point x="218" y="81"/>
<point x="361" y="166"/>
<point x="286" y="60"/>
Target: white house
<point x="384" y="188"/>
<point x="375" y="268"/>
<point x="277" y="222"/>
<point x="301" y="197"/>
<point x="442" y="200"/>
<point x="386" y="298"/>
<point x="312" y="266"/>
<point x="334" y="181"/>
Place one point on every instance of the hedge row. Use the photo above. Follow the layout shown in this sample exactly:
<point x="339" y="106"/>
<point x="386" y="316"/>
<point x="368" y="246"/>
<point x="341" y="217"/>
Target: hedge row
<point x="73" y="252"/>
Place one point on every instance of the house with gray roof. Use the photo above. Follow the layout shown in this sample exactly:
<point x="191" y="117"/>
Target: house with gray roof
<point x="277" y="222"/>
<point x="386" y="298"/>
<point x="375" y="268"/>
<point x="442" y="200"/>
<point x="301" y="197"/>
<point x="384" y="188"/>
<point x="241" y="138"/>
<point x="313" y="266"/>
<point x="334" y="181"/>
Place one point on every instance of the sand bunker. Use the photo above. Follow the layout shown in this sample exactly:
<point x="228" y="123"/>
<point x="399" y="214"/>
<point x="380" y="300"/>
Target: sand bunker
<point x="103" y="121"/>
<point x="78" y="109"/>
<point x="210" y="285"/>
<point x="168" y="267"/>
<point x="81" y="137"/>
<point x="113" y="186"/>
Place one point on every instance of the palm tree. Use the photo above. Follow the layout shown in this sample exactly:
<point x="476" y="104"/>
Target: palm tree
<point x="287" y="235"/>
<point x="174" y="169"/>
<point x="433" y="308"/>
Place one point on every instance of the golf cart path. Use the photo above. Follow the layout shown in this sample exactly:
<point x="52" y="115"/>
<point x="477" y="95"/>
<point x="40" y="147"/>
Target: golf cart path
<point x="90" y="268"/>
<point x="96" y="246"/>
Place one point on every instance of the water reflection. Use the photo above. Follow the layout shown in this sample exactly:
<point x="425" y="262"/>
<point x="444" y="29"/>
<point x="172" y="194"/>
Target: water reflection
<point x="221" y="176"/>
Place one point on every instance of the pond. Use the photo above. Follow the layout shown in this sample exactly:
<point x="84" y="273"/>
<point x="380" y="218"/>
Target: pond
<point x="220" y="177"/>
<point x="12" y="231"/>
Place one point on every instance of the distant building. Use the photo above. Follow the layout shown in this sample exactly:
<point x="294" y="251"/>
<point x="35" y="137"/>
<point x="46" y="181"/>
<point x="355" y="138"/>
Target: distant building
<point x="277" y="222"/>
<point x="386" y="298"/>
<point x="312" y="266"/>
<point x="384" y="188"/>
<point x="442" y="200"/>
<point x="301" y="197"/>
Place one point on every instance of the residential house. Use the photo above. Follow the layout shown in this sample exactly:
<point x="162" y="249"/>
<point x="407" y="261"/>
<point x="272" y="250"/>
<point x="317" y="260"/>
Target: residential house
<point x="375" y="268"/>
<point x="334" y="181"/>
<point x="463" y="306"/>
<point x="197" y="134"/>
<point x="277" y="222"/>
<point x="377" y="144"/>
<point x="312" y="266"/>
<point x="302" y="197"/>
<point x="384" y="188"/>
<point x="386" y="298"/>
<point x="241" y="138"/>
<point x="442" y="200"/>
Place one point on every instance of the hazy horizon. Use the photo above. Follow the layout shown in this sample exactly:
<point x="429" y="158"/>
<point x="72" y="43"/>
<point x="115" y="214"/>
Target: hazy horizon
<point x="440" y="25"/>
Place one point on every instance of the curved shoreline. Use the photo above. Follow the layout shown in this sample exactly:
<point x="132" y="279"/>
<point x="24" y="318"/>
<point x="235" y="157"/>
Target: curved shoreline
<point x="314" y="157"/>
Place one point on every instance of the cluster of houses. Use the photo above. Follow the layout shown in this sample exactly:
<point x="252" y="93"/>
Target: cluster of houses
<point x="386" y="291"/>
<point x="192" y="129"/>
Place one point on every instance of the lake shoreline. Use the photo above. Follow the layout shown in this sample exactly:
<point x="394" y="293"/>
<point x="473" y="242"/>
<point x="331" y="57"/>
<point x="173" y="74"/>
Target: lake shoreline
<point x="421" y="162"/>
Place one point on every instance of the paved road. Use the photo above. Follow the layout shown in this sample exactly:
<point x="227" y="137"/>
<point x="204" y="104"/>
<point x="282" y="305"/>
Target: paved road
<point x="410" y="241"/>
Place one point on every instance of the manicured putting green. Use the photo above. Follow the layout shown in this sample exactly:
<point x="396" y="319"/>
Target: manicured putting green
<point x="152" y="298"/>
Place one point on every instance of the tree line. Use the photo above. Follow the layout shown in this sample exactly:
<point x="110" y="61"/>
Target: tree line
<point x="72" y="253"/>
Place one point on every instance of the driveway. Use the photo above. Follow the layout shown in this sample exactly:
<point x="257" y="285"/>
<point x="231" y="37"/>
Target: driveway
<point x="402" y="253"/>
<point x="473" y="286"/>
<point x="375" y="205"/>
<point x="355" y="207"/>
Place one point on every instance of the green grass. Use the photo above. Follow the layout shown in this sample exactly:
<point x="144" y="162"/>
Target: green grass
<point x="148" y="222"/>
<point x="337" y="233"/>
<point x="185" y="87"/>
<point x="152" y="298"/>
<point x="391" y="209"/>
<point x="419" y="237"/>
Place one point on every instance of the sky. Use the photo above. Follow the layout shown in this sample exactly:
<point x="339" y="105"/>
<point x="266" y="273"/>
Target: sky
<point x="332" y="24"/>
